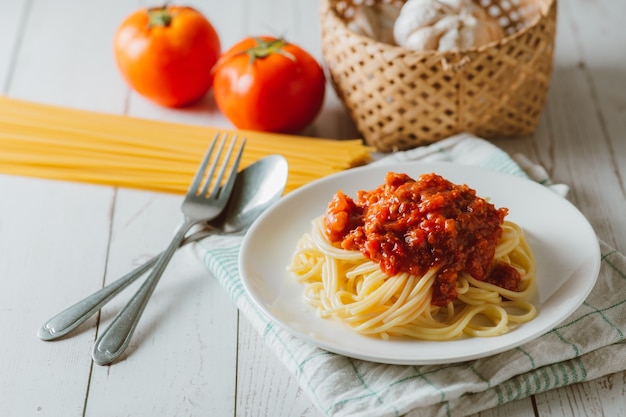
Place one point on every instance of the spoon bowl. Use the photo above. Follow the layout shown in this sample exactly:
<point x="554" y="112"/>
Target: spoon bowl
<point x="256" y="188"/>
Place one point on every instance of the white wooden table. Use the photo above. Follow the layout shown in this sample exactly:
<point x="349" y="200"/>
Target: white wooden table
<point x="192" y="354"/>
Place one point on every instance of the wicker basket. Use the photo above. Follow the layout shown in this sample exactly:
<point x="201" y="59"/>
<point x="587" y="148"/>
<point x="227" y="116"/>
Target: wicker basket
<point x="400" y="99"/>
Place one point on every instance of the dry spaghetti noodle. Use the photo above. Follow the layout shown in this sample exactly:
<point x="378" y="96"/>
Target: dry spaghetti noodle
<point x="58" y="143"/>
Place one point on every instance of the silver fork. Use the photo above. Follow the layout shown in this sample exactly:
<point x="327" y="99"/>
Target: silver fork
<point x="199" y="206"/>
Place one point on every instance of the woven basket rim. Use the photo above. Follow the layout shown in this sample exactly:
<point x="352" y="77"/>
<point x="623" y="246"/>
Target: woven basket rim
<point x="543" y="13"/>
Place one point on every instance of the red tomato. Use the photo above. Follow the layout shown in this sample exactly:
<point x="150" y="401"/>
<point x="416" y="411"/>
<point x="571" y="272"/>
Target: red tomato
<point x="166" y="54"/>
<point x="270" y="85"/>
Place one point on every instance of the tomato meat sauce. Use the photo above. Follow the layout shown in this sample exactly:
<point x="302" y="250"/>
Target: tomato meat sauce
<point x="408" y="225"/>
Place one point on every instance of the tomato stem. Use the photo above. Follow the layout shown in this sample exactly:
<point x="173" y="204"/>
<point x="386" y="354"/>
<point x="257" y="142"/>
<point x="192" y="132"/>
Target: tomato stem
<point x="265" y="48"/>
<point x="159" y="16"/>
<point x="262" y="49"/>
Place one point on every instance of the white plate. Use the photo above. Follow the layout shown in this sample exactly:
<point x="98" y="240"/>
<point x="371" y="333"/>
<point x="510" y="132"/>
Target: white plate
<point x="565" y="247"/>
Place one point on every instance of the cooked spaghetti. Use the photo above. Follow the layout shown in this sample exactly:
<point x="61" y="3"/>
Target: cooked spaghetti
<point x="425" y="259"/>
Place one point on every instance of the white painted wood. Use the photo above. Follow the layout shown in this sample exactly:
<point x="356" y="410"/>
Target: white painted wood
<point x="11" y="20"/>
<point x="66" y="56"/>
<point x="520" y="408"/>
<point x="51" y="254"/>
<point x="193" y="354"/>
<point x="141" y="226"/>
<point x="185" y="316"/>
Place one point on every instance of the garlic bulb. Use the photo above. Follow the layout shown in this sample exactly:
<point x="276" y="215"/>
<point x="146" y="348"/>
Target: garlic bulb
<point x="444" y="25"/>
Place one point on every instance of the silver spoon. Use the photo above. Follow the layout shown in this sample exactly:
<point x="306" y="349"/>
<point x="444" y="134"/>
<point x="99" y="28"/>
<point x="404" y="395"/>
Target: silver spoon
<point x="256" y="188"/>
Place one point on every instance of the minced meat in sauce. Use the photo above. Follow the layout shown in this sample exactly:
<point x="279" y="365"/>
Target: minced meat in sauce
<point x="408" y="225"/>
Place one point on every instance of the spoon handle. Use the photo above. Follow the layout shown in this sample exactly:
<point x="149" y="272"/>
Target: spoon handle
<point x="73" y="316"/>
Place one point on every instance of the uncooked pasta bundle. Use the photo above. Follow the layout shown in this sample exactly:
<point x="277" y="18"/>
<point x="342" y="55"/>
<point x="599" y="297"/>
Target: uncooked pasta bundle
<point x="52" y="142"/>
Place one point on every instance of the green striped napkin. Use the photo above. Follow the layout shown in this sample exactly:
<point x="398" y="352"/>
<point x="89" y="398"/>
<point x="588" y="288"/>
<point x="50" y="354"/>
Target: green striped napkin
<point x="589" y="344"/>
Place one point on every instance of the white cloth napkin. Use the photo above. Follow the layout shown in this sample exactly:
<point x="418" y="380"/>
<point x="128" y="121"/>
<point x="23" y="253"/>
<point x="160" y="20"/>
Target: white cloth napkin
<point x="589" y="344"/>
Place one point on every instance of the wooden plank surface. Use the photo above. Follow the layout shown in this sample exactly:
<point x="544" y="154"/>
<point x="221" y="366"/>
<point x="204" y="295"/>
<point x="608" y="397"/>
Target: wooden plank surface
<point x="51" y="255"/>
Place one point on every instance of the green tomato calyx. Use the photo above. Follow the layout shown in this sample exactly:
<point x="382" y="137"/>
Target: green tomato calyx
<point x="265" y="48"/>
<point x="159" y="16"/>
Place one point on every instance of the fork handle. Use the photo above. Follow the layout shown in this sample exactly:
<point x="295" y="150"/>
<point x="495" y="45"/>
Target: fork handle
<point x="115" y="339"/>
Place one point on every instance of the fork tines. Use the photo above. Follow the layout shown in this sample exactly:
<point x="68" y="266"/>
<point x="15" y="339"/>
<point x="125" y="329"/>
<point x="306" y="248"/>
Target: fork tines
<point x="214" y="157"/>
